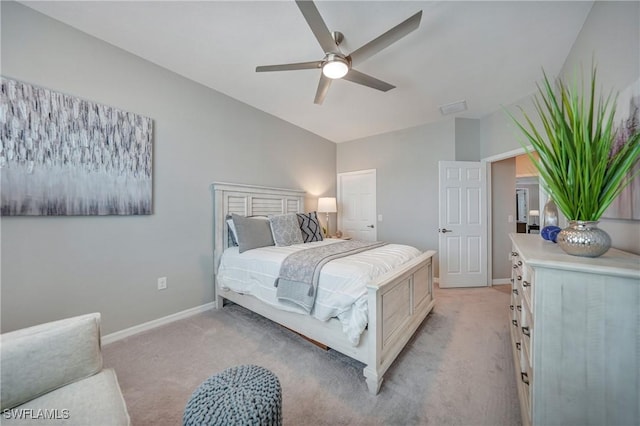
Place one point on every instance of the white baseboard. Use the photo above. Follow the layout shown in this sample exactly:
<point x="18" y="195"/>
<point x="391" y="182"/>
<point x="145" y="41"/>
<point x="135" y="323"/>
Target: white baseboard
<point x="496" y="281"/>
<point x="119" y="335"/>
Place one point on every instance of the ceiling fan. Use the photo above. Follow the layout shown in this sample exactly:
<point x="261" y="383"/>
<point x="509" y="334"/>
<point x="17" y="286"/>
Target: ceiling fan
<point x="337" y="65"/>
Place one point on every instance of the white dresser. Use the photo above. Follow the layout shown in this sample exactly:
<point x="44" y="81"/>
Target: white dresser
<point x="575" y="335"/>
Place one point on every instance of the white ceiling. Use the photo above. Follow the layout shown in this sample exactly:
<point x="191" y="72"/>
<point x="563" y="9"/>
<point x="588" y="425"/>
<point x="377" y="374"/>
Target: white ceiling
<point x="488" y="53"/>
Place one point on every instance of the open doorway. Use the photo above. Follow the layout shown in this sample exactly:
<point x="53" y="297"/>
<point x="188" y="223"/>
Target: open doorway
<point x="514" y="200"/>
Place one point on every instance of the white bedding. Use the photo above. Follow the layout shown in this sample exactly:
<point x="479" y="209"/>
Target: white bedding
<point x="342" y="289"/>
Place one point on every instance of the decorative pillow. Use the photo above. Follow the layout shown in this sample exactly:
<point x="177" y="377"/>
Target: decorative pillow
<point x="252" y="232"/>
<point x="310" y="227"/>
<point x="233" y="238"/>
<point x="285" y="229"/>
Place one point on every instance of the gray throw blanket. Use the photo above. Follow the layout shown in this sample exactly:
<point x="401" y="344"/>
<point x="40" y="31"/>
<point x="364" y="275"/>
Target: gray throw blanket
<point x="300" y="271"/>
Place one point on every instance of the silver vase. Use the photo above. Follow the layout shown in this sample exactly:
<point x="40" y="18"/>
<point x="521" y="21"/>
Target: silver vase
<point x="584" y="238"/>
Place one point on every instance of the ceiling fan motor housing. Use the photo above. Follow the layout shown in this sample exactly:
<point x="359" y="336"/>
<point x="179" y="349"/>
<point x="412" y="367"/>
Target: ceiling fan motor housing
<point x="338" y="37"/>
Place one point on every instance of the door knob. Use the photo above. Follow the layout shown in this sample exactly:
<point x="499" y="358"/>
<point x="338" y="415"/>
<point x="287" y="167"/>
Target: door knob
<point x="369" y="226"/>
<point x="445" y="230"/>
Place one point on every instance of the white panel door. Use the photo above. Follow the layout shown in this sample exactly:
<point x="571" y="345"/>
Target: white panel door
<point x="357" y="205"/>
<point x="463" y="224"/>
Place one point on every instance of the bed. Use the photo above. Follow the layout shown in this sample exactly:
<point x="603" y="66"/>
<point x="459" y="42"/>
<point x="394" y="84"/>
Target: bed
<point x="396" y="302"/>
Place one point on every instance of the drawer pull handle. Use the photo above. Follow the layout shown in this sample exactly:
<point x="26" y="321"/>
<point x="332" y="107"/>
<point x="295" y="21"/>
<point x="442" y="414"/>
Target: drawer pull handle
<point x="519" y="262"/>
<point x="526" y="332"/>
<point x="515" y="322"/>
<point x="511" y="307"/>
<point x="515" y="291"/>
<point x="515" y="266"/>
<point x="519" y="307"/>
<point x="525" y="378"/>
<point x="514" y="253"/>
<point x="519" y="277"/>
<point x="518" y="345"/>
<point x="526" y="283"/>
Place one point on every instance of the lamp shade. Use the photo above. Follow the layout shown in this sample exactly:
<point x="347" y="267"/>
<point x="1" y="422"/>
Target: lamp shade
<point x="327" y="205"/>
<point x="534" y="212"/>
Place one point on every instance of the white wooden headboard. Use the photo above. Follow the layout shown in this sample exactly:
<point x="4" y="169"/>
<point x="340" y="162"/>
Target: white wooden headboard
<point x="247" y="200"/>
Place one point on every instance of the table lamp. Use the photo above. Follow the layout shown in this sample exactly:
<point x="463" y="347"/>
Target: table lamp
<point x="327" y="205"/>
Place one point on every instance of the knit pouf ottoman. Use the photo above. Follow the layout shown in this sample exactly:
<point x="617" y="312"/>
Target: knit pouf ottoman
<point x="242" y="395"/>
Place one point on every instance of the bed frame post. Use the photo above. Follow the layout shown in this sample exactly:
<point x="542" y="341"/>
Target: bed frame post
<point x="218" y="240"/>
<point x="372" y="372"/>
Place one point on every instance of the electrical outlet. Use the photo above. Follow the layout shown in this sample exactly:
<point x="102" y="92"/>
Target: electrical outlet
<point x="162" y="283"/>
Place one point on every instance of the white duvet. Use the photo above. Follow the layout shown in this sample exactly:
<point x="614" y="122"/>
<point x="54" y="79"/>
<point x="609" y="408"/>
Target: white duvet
<point x="342" y="291"/>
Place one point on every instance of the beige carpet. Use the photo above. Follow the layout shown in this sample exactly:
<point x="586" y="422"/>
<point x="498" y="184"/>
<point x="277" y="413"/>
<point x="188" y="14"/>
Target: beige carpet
<point x="457" y="370"/>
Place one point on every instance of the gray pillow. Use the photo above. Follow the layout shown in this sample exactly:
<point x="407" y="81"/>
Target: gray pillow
<point x="285" y="229"/>
<point x="252" y="232"/>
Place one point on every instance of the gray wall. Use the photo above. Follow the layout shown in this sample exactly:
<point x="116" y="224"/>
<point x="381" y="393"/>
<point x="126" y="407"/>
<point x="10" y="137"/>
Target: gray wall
<point x="611" y="36"/>
<point x="503" y="194"/>
<point x="498" y="133"/>
<point x="467" y="139"/>
<point x="406" y="163"/>
<point x="53" y="267"/>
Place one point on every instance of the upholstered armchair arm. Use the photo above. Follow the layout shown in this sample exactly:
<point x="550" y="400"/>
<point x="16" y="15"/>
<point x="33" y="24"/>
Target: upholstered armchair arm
<point x="39" y="359"/>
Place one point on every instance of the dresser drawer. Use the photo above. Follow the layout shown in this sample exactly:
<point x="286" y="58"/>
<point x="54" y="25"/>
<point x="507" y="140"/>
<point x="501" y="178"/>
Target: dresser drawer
<point x="526" y="330"/>
<point x="516" y="270"/>
<point x="514" y="312"/>
<point x="525" y="383"/>
<point x="516" y="259"/>
<point x="527" y="284"/>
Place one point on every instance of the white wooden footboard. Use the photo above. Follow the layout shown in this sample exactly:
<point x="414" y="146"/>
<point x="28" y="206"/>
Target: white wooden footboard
<point x="398" y="303"/>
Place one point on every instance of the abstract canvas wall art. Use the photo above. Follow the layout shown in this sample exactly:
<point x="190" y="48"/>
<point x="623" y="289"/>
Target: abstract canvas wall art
<point x="62" y="155"/>
<point x="627" y="205"/>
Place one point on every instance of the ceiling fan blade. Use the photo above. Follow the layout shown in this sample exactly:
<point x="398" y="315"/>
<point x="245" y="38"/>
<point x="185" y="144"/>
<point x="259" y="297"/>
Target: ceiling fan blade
<point x="317" y="25"/>
<point x="323" y="88"/>
<point x="290" y="67"/>
<point x="366" y="80"/>
<point x="385" y="40"/>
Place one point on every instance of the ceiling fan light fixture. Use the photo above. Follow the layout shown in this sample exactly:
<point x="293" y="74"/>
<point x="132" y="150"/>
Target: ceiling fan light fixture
<point x="335" y="67"/>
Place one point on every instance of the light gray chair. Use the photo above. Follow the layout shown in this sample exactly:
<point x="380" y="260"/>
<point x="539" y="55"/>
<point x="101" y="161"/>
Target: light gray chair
<point x="52" y="374"/>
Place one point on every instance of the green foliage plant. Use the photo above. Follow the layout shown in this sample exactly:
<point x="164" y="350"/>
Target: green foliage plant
<point x="582" y="166"/>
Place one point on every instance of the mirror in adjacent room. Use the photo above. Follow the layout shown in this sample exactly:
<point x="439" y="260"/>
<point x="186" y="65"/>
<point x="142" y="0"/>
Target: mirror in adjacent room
<point x="522" y="207"/>
<point x="527" y="196"/>
<point x="528" y="205"/>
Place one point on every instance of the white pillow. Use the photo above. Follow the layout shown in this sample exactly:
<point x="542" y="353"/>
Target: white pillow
<point x="285" y="229"/>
